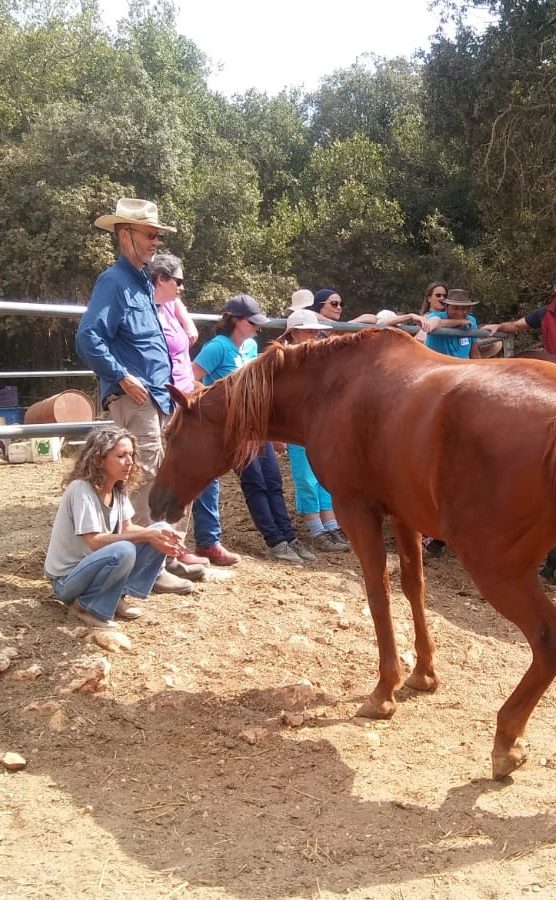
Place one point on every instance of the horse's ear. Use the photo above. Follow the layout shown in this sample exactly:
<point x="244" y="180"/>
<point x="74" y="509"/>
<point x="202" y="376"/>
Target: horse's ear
<point x="177" y="396"/>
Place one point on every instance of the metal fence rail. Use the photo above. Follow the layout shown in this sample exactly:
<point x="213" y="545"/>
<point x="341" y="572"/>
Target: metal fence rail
<point x="52" y="429"/>
<point x="75" y="310"/>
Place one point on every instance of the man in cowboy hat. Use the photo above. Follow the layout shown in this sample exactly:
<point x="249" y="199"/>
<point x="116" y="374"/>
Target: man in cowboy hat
<point x="456" y="315"/>
<point x="121" y="339"/>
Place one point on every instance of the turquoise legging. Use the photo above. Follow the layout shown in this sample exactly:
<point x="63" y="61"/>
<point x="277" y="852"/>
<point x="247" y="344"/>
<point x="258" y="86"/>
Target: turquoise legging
<point x="310" y="496"/>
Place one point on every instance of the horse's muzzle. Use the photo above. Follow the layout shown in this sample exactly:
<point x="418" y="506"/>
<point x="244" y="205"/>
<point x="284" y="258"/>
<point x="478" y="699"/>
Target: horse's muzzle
<point x="164" y="507"/>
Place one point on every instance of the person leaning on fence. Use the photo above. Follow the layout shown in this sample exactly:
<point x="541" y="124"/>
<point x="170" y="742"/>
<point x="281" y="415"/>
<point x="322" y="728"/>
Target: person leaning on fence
<point x="543" y="318"/>
<point x="121" y="340"/>
<point x="261" y="482"/>
<point x="181" y="334"/>
<point x="312" y="500"/>
<point x="96" y="555"/>
<point x="457" y="314"/>
<point x="328" y="305"/>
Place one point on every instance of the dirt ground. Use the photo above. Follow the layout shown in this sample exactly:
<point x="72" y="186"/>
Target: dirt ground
<point x="181" y="778"/>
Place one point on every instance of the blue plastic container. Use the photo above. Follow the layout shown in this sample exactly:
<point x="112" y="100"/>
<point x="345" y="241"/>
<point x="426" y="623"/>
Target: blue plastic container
<point x="11" y="415"/>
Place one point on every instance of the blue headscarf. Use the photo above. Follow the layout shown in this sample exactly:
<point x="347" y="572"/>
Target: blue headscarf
<point x="320" y="298"/>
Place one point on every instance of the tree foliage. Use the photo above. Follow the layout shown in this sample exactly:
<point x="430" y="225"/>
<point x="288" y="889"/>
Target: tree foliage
<point x="392" y="173"/>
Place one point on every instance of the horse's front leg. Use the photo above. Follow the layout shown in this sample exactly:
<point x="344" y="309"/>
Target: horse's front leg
<point x="423" y="677"/>
<point x="363" y="526"/>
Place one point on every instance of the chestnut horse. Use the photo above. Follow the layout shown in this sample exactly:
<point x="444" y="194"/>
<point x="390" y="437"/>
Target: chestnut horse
<point x="464" y="450"/>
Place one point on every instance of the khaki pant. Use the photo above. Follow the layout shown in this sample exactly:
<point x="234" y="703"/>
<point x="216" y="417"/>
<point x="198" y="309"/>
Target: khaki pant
<point x="146" y="422"/>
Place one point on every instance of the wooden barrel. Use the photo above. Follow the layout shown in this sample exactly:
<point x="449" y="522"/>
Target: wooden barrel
<point x="67" y="406"/>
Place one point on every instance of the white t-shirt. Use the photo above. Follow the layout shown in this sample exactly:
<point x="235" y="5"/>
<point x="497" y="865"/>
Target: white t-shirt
<point x="82" y="512"/>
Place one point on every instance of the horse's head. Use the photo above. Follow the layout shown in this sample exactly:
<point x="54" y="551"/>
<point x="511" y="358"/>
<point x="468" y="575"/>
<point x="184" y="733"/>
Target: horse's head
<point x="195" y="452"/>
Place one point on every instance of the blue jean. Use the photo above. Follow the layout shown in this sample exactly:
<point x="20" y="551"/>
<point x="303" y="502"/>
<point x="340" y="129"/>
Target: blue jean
<point x="206" y="516"/>
<point x="99" y="580"/>
<point x="261" y="483"/>
<point x="310" y="495"/>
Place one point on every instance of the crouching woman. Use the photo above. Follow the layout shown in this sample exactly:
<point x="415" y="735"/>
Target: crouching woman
<point x="96" y="554"/>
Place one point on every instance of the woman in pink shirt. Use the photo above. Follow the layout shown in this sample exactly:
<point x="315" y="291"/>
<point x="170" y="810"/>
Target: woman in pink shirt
<point x="181" y="334"/>
<point x="178" y="326"/>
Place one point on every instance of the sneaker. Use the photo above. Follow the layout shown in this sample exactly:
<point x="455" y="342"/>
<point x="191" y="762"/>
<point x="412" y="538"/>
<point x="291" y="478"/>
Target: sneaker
<point x="325" y="543"/>
<point x="304" y="554"/>
<point x="547" y="574"/>
<point x="166" y="583"/>
<point x="218" y="555"/>
<point x="192" y="572"/>
<point x="284" y="552"/>
<point x="432" y="547"/>
<point x="92" y="621"/>
<point x="188" y="558"/>
<point x="339" y="540"/>
<point x="126" y="610"/>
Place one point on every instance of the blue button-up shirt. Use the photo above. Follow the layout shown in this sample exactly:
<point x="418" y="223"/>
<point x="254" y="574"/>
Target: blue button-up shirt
<point x="120" y="334"/>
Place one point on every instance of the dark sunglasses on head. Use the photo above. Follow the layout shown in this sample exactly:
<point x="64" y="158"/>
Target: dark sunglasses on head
<point x="337" y="304"/>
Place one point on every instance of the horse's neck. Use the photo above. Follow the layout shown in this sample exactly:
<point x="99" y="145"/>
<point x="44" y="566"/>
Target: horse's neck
<point x="295" y="391"/>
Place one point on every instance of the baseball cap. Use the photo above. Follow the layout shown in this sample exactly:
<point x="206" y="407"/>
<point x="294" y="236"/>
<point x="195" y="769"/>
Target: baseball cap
<point x="245" y="307"/>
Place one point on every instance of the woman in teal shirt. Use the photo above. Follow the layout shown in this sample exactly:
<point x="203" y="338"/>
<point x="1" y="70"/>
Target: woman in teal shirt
<point x="261" y="482"/>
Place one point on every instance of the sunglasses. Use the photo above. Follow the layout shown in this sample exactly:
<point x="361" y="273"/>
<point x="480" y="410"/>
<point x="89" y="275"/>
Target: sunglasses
<point x="150" y="235"/>
<point x="335" y="304"/>
<point x="179" y="281"/>
<point x="440" y="296"/>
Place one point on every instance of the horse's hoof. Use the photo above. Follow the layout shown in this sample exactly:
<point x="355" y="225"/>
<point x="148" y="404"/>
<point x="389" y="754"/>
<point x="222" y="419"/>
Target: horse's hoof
<point x="371" y="709"/>
<point x="504" y="762"/>
<point x="419" y="681"/>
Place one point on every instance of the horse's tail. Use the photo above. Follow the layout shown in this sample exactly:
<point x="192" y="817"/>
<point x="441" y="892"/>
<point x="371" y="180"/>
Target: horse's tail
<point x="249" y="394"/>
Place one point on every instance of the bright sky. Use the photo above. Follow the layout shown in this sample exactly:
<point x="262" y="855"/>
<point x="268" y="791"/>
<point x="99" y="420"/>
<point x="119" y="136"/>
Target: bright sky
<point x="294" y="42"/>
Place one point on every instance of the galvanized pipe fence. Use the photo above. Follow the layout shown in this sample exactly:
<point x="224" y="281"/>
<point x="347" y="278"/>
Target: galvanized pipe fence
<point x="72" y="310"/>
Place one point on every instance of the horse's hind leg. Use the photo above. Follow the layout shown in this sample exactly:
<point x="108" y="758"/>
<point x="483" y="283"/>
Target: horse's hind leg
<point x="364" y="528"/>
<point x="523" y="602"/>
<point x="423" y="677"/>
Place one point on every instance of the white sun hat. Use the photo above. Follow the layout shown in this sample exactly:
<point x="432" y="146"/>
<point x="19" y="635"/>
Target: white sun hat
<point x="305" y="320"/>
<point x="132" y="211"/>
<point x="301" y="299"/>
<point x="385" y="316"/>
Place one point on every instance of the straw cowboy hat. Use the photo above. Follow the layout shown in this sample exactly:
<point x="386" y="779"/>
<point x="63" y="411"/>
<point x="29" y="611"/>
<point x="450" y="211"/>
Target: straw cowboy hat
<point x="131" y="211"/>
<point x="301" y="299"/>
<point x="457" y="297"/>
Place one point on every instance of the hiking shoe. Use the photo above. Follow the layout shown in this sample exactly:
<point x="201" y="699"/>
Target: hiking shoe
<point x="218" y="555"/>
<point x="284" y="552"/>
<point x="325" y="543"/>
<point x="90" y="620"/>
<point x="166" y="583"/>
<point x="304" y="554"/>
<point x="179" y="568"/>
<point x="339" y="539"/>
<point x="126" y="610"/>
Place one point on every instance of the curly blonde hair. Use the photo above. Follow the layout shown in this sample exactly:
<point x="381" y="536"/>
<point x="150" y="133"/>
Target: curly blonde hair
<point x="88" y="466"/>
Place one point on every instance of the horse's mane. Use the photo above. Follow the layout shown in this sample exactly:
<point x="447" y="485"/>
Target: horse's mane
<point x="187" y="401"/>
<point x="249" y="391"/>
